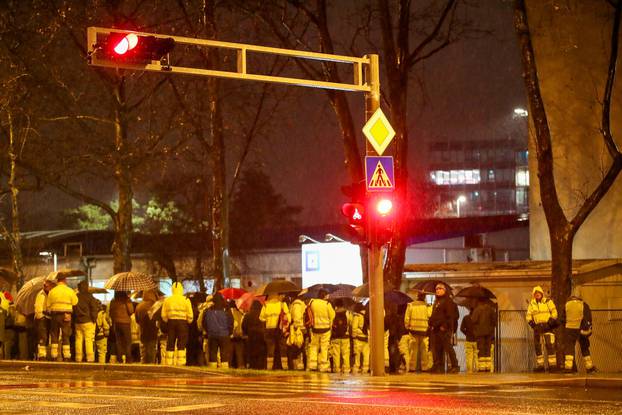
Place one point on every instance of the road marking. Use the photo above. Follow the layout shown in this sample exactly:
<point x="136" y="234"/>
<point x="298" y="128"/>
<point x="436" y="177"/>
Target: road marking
<point x="86" y="395"/>
<point x="72" y="405"/>
<point x="198" y="390"/>
<point x="188" y="407"/>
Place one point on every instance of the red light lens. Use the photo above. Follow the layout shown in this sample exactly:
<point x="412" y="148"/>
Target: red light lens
<point x="128" y="42"/>
<point x="384" y="206"/>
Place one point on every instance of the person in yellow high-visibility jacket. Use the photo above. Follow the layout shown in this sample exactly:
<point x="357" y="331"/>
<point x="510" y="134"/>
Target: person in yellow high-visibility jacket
<point x="60" y="302"/>
<point x="416" y="322"/>
<point x="360" y="324"/>
<point x="272" y="311"/>
<point x="323" y="316"/>
<point x="542" y="318"/>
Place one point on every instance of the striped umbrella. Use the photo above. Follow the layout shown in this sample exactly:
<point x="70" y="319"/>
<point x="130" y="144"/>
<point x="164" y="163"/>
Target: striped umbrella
<point x="26" y="296"/>
<point x="130" y="281"/>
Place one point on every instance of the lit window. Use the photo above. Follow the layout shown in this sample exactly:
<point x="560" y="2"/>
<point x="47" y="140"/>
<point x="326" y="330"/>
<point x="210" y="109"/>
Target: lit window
<point x="451" y="177"/>
<point x="522" y="177"/>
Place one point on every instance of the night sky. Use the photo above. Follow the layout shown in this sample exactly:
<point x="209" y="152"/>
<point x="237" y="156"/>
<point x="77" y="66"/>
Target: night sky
<point x="470" y="91"/>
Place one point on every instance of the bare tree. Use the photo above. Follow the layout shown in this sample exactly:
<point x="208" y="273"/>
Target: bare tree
<point x="562" y="230"/>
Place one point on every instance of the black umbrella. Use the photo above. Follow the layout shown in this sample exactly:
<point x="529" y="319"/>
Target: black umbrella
<point x="279" y="287"/>
<point x="429" y="286"/>
<point x="312" y="291"/>
<point x="475" y="291"/>
<point x="397" y="297"/>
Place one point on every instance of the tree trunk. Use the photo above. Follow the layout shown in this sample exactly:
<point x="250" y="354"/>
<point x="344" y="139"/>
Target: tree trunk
<point x="15" y="237"/>
<point x="561" y="267"/>
<point x="121" y="247"/>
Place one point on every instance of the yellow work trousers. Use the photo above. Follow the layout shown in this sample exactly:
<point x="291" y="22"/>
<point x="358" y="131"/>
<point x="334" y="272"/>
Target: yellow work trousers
<point x="318" y="351"/>
<point x="102" y="349"/>
<point x="85" y="339"/>
<point x="361" y="356"/>
<point x="470" y="351"/>
<point x="418" y="353"/>
<point x="340" y="352"/>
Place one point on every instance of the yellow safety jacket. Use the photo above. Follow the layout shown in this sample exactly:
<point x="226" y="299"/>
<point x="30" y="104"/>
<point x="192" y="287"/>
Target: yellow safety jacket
<point x="41" y="308"/>
<point x="297" y="310"/>
<point x="574" y="313"/>
<point x="323" y="314"/>
<point x="177" y="307"/>
<point x="417" y="315"/>
<point x="358" y="321"/>
<point x="541" y="311"/>
<point x="61" y="299"/>
<point x="271" y="311"/>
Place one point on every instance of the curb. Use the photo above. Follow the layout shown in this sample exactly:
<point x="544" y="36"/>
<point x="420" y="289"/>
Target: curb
<point x="604" y="382"/>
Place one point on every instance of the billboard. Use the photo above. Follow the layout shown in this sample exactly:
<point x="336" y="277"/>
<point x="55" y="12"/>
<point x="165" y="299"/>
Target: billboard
<point x="331" y="263"/>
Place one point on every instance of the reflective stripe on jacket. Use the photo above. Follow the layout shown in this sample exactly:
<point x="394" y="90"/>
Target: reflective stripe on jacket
<point x="61" y="299"/>
<point x="417" y="315"/>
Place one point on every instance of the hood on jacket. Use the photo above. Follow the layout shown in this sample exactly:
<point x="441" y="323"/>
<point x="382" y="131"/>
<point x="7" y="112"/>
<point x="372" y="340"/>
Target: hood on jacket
<point x="537" y="289"/>
<point x="83" y="287"/>
<point x="178" y="289"/>
<point x="150" y="295"/>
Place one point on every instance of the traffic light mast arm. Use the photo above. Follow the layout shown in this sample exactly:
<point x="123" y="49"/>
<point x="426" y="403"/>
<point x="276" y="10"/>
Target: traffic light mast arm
<point x="241" y="72"/>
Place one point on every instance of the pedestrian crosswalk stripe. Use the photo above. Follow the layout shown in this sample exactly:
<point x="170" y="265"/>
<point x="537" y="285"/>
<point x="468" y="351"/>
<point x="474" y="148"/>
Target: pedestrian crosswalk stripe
<point x="188" y="407"/>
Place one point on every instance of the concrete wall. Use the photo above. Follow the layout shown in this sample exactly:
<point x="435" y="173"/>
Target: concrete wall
<point x="571" y="41"/>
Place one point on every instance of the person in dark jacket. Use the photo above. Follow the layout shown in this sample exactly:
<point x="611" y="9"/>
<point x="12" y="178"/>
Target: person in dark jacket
<point x="442" y="325"/>
<point x="148" y="328"/>
<point x="85" y="314"/>
<point x="254" y="328"/>
<point x="121" y="310"/>
<point x="218" y="324"/>
<point x="470" y="344"/>
<point x="484" y="320"/>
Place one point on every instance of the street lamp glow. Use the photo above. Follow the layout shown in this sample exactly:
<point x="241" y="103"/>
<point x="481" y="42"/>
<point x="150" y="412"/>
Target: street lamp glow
<point x="520" y="112"/>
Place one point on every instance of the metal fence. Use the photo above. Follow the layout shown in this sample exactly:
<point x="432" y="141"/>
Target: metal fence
<point x="514" y="349"/>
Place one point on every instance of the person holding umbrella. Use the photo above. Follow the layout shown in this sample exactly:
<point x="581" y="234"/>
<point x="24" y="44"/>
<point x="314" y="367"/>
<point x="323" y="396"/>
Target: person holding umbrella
<point x="42" y="320"/>
<point x="177" y="313"/>
<point x="60" y="302"/>
<point x="442" y="325"/>
<point x="484" y="320"/>
<point x="148" y="328"/>
<point x="121" y="310"/>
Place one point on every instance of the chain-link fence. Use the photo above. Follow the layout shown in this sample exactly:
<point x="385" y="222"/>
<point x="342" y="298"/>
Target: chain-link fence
<point x="514" y="351"/>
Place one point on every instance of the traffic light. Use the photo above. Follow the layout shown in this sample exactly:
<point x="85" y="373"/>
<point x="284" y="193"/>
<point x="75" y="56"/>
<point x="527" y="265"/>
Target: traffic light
<point x="131" y="48"/>
<point x="384" y="209"/>
<point x="357" y="222"/>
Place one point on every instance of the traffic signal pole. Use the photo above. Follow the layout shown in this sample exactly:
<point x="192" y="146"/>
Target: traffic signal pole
<point x="365" y="73"/>
<point x="375" y="271"/>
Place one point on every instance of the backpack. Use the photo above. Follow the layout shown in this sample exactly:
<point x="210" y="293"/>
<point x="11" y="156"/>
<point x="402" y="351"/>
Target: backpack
<point x="308" y="319"/>
<point x="340" y="325"/>
<point x="283" y="323"/>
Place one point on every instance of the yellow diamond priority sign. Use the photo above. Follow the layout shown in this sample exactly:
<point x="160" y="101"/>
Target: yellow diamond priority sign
<point x="378" y="131"/>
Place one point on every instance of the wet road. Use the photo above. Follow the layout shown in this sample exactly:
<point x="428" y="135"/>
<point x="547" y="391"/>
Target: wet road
<point x="85" y="391"/>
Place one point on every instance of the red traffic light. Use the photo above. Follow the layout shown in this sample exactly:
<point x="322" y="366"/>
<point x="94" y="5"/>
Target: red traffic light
<point x="126" y="43"/>
<point x="355" y="212"/>
<point x="384" y="206"/>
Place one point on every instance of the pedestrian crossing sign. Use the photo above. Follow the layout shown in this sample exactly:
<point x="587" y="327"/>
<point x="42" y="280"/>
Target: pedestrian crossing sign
<point x="379" y="175"/>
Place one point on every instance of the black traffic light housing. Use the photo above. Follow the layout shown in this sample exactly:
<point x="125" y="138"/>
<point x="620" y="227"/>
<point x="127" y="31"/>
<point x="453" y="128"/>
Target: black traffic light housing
<point x="384" y="210"/>
<point x="133" y="48"/>
<point x="357" y="222"/>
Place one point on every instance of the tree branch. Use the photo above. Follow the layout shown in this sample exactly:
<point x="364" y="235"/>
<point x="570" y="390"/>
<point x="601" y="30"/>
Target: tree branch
<point x="616" y="166"/>
<point x="424" y="43"/>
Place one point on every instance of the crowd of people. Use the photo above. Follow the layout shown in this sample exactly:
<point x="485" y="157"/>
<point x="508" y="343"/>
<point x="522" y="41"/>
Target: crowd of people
<point x="291" y="331"/>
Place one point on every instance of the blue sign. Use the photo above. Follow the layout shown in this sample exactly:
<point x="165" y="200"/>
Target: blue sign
<point x="379" y="175"/>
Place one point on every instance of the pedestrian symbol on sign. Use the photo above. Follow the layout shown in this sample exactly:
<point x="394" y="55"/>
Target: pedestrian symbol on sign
<point x="379" y="174"/>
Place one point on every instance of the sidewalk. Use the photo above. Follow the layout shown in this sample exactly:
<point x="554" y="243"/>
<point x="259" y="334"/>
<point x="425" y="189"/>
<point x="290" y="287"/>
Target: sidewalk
<point x="596" y="380"/>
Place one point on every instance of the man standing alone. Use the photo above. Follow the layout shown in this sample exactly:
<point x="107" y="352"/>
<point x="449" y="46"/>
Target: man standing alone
<point x="442" y="327"/>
